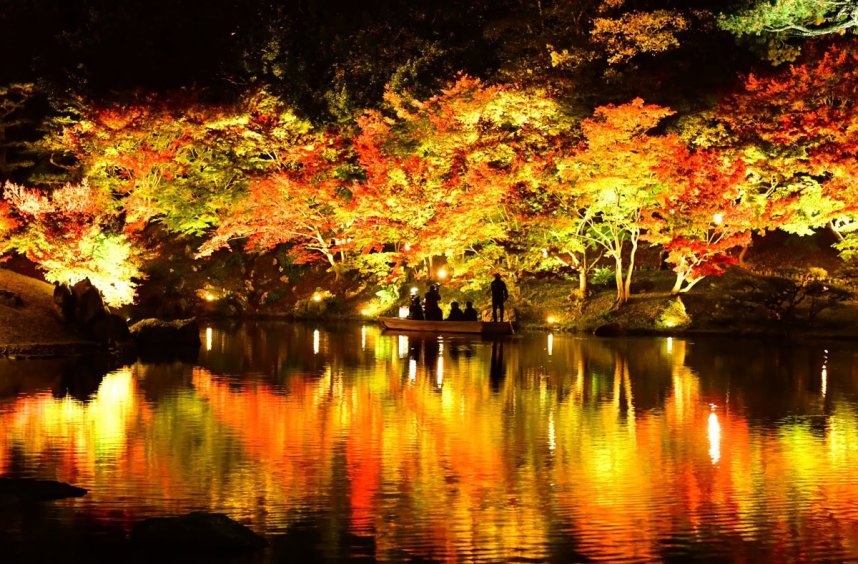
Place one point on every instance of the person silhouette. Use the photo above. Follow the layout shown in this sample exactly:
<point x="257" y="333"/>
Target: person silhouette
<point x="499" y="296"/>
<point x="415" y="310"/>
<point x="431" y="299"/>
<point x="455" y="314"/>
<point x="470" y="314"/>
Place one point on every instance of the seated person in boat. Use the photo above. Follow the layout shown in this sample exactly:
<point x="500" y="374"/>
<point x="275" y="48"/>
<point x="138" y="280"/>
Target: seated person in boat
<point x="456" y="314"/>
<point x="470" y="314"/>
<point x="432" y="311"/>
<point x="415" y="310"/>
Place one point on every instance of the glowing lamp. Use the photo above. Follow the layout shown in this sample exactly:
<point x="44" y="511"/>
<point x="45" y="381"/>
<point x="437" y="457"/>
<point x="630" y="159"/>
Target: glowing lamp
<point x="544" y="253"/>
<point x="317" y="297"/>
<point x="407" y="246"/>
<point x="403" y="312"/>
<point x="364" y="311"/>
<point x="209" y="297"/>
<point x="550" y="319"/>
<point x="442" y="273"/>
<point x="718" y="218"/>
<point x="414" y="291"/>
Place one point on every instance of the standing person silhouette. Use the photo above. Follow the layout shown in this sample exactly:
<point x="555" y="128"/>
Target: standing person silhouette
<point x="432" y="310"/>
<point x="499" y="296"/>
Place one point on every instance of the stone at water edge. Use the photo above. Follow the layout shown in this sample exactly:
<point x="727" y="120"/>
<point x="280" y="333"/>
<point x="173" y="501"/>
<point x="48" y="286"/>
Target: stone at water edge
<point x="26" y="489"/>
<point x="197" y="531"/>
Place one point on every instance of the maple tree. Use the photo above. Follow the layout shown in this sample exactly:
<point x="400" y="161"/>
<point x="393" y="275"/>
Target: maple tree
<point x="701" y="216"/>
<point x="613" y="178"/>
<point x="796" y="130"/>
<point x="303" y="204"/>
<point x="72" y="233"/>
<point x="438" y="177"/>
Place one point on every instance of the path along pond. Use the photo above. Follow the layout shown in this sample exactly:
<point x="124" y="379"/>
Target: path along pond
<point x="348" y="443"/>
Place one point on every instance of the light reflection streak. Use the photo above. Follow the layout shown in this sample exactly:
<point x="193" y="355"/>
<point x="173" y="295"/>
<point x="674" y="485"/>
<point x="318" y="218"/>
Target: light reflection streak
<point x="363" y="337"/>
<point x="412" y="370"/>
<point x="824" y="385"/>
<point x="316" y="339"/>
<point x="208" y="338"/>
<point x="402" y="346"/>
<point x="670" y="345"/>
<point x="552" y="433"/>
<point x="714" y="438"/>
<point x="439" y="379"/>
<point x="550" y="344"/>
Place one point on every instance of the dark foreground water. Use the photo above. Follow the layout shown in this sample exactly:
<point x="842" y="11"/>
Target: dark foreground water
<point x="347" y="443"/>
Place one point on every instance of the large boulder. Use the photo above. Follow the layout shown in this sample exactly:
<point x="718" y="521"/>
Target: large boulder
<point x="160" y="333"/>
<point x="197" y="531"/>
<point x="88" y="303"/>
<point x="109" y="328"/>
<point x="64" y="303"/>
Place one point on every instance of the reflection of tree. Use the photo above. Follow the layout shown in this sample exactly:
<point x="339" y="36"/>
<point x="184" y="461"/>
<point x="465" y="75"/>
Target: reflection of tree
<point x="560" y="461"/>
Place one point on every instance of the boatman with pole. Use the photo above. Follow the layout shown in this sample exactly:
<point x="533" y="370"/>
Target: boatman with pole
<point x="499" y="296"/>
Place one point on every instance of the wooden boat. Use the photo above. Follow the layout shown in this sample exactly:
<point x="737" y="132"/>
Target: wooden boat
<point x="423" y="326"/>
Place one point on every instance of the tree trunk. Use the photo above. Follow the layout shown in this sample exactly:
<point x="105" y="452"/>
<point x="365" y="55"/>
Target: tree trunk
<point x="628" y="283"/>
<point x="622" y="292"/>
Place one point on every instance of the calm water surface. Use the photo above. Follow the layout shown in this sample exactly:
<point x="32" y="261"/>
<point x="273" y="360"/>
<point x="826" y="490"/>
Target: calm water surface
<point x="348" y="443"/>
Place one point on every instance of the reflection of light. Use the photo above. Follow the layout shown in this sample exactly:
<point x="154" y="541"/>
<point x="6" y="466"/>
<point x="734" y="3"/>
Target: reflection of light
<point x="439" y="379"/>
<point x="442" y="273"/>
<point x="402" y="346"/>
<point x="670" y="344"/>
<point x="363" y="337"/>
<point x="208" y="338"/>
<point x="550" y="344"/>
<point x="714" y="438"/>
<point x="315" y="341"/>
<point x="552" y="436"/>
<point x="440" y="344"/>
<point x="403" y="312"/>
<point x="825" y="373"/>
<point x="412" y="370"/>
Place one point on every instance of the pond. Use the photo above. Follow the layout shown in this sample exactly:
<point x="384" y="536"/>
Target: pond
<point x="346" y="443"/>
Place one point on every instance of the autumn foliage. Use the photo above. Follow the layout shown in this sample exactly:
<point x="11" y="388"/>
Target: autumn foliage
<point x="480" y="177"/>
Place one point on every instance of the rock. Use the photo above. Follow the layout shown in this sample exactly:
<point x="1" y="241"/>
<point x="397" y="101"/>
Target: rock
<point x="64" y="303"/>
<point x="88" y="302"/>
<point x="196" y="532"/>
<point x="155" y="332"/>
<point x="610" y="330"/>
<point x="25" y="489"/>
<point x="109" y="328"/>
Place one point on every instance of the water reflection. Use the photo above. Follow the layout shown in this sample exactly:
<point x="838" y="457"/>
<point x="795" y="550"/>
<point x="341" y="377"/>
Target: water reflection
<point x="450" y="448"/>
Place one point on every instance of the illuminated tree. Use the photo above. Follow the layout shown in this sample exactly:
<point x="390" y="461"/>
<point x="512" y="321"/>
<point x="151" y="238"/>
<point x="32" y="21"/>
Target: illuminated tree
<point x="177" y="160"/>
<point x="614" y="180"/>
<point x="439" y="178"/>
<point x="303" y="205"/>
<point x="797" y="130"/>
<point x="72" y="234"/>
<point x="700" y="216"/>
<point x="803" y="18"/>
